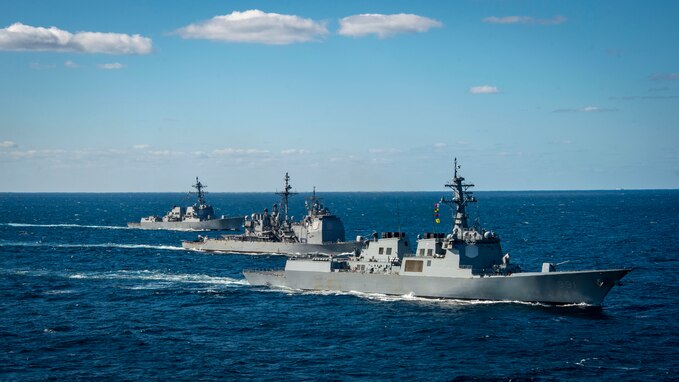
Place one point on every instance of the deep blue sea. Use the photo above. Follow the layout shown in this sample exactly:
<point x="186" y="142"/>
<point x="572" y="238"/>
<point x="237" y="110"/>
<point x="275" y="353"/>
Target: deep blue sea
<point x="82" y="297"/>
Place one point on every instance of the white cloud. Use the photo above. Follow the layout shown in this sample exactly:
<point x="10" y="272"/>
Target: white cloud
<point x="586" y="109"/>
<point x="165" y="153"/>
<point x="111" y="66"/>
<point x="236" y="151"/>
<point x="295" y="152"/>
<point x="20" y="37"/>
<point x="484" y="89"/>
<point x="141" y="146"/>
<point x="71" y="65"/>
<point x="591" y="109"/>
<point x="7" y="144"/>
<point x="556" y="20"/>
<point x="385" y="26"/>
<point x="348" y="158"/>
<point x="383" y="151"/>
<point x="255" y="26"/>
<point x="31" y="154"/>
<point x="440" y="145"/>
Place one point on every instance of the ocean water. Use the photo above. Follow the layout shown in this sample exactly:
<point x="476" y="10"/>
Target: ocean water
<point x="82" y="297"/>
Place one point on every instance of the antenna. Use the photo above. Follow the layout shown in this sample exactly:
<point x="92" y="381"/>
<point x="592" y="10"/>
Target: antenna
<point x="286" y="194"/>
<point x="461" y="197"/>
<point x="199" y="190"/>
<point x="313" y="204"/>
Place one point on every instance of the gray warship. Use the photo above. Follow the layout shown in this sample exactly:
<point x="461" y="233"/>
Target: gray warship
<point x="465" y="264"/>
<point x="276" y="233"/>
<point x="199" y="217"/>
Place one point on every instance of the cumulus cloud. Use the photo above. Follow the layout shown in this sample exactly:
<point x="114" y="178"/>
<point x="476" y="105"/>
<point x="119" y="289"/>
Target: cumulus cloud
<point x="111" y="66"/>
<point x="255" y="26"/>
<point x="384" y="26"/>
<point x="21" y="37"/>
<point x="586" y="109"/>
<point x="556" y="20"/>
<point x="484" y="89"/>
<point x="7" y="144"/>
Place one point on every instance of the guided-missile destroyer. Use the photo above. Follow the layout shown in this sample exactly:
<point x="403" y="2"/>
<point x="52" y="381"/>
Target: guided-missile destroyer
<point x="465" y="263"/>
<point x="199" y="217"/>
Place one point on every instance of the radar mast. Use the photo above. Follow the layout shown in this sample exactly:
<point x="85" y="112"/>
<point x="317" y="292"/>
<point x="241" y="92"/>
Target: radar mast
<point x="286" y="194"/>
<point x="199" y="190"/>
<point x="461" y="197"/>
<point x="313" y="204"/>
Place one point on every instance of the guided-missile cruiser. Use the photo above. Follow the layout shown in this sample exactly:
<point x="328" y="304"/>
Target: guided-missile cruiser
<point x="276" y="233"/>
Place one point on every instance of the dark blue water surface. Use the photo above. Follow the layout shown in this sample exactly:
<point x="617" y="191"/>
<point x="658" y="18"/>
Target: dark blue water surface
<point x="82" y="297"/>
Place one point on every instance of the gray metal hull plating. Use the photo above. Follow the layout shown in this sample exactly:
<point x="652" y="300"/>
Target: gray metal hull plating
<point x="225" y="224"/>
<point x="268" y="247"/>
<point x="588" y="287"/>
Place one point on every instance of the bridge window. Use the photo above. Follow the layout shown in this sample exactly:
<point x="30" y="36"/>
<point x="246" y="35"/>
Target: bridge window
<point x="414" y="265"/>
<point x="421" y="251"/>
<point x="381" y="251"/>
<point x="389" y="251"/>
<point x="430" y="252"/>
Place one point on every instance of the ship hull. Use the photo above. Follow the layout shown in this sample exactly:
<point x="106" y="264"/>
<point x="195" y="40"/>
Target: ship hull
<point x="581" y="287"/>
<point x="224" y="224"/>
<point x="269" y="247"/>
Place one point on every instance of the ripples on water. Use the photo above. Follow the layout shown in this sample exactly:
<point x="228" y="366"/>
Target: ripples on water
<point x="84" y="297"/>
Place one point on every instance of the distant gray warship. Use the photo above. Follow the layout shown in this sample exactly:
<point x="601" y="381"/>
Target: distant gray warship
<point x="275" y="233"/>
<point x="464" y="264"/>
<point x="199" y="217"/>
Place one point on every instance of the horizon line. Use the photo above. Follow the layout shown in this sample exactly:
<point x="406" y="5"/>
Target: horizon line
<point x="371" y="191"/>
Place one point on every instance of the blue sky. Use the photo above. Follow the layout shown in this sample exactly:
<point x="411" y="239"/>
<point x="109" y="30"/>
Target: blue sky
<point x="345" y="96"/>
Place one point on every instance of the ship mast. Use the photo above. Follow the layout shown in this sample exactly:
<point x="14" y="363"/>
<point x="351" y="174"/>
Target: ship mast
<point x="286" y="194"/>
<point x="313" y="204"/>
<point x="461" y="197"/>
<point x="199" y="190"/>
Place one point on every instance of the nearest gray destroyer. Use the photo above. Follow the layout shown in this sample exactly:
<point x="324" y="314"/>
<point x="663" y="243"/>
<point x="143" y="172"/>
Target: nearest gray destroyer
<point x="199" y="217"/>
<point x="275" y="233"/>
<point x="464" y="264"/>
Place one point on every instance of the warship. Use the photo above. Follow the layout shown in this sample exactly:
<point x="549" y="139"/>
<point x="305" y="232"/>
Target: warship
<point x="199" y="217"/>
<point x="466" y="264"/>
<point x="276" y="233"/>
